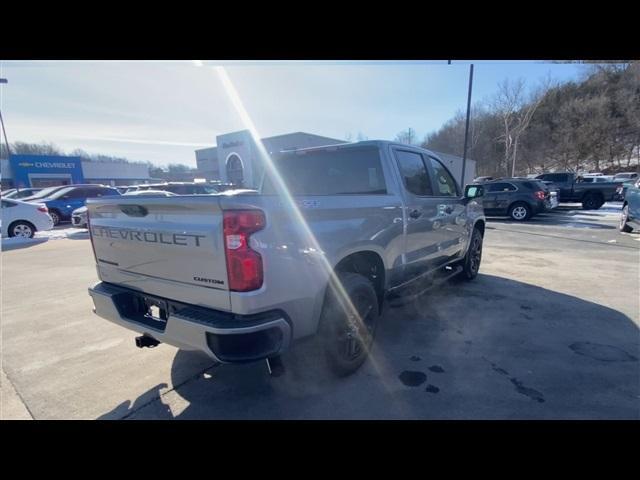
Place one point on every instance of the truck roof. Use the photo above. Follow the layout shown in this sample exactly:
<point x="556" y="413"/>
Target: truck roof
<point x="364" y="143"/>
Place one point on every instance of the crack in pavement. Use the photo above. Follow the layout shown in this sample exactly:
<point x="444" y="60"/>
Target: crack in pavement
<point x="173" y="388"/>
<point x="15" y="389"/>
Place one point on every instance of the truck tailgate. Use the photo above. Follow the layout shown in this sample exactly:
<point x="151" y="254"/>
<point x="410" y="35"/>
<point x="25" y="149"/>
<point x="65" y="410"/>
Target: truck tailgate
<point x="168" y="246"/>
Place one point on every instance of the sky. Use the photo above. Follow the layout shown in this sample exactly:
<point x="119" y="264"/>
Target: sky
<point x="161" y="111"/>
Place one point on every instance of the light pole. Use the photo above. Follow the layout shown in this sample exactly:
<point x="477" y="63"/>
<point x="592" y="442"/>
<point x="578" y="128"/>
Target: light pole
<point x="4" y="131"/>
<point x="466" y="128"/>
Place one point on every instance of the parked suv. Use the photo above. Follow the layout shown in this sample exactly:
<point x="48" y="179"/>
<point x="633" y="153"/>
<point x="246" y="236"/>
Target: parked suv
<point x="63" y="202"/>
<point x="518" y="198"/>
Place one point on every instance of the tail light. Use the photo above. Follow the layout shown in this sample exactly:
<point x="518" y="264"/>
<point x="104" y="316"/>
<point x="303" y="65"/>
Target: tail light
<point x="540" y="195"/>
<point x="244" y="265"/>
<point x="43" y="209"/>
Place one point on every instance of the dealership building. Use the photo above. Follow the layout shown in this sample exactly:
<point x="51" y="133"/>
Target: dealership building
<point x="41" y="171"/>
<point x="236" y="157"/>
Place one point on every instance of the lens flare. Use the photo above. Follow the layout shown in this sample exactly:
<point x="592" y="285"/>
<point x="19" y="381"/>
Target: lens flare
<point x="290" y="204"/>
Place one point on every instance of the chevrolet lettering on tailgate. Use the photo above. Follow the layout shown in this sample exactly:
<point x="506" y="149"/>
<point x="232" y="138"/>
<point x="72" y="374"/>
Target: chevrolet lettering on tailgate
<point x="183" y="239"/>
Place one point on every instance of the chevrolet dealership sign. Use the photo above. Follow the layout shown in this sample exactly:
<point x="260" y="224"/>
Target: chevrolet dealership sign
<point x="47" y="165"/>
<point x="27" y="167"/>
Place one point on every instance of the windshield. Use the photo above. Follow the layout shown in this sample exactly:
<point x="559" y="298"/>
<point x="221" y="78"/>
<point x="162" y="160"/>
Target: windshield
<point x="61" y="193"/>
<point x="45" y="192"/>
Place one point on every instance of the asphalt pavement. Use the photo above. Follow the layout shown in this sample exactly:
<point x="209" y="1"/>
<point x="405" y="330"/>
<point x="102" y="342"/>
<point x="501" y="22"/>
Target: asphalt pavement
<point x="548" y="330"/>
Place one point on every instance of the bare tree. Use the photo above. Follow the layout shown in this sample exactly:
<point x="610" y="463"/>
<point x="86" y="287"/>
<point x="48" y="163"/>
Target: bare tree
<point x="515" y="110"/>
<point x="407" y="136"/>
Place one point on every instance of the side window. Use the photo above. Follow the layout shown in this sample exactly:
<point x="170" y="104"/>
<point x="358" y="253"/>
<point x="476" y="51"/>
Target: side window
<point x="91" y="192"/>
<point x="8" y="204"/>
<point x="76" y="193"/>
<point x="501" y="187"/>
<point x="179" y="189"/>
<point x="414" y="173"/>
<point x="445" y="184"/>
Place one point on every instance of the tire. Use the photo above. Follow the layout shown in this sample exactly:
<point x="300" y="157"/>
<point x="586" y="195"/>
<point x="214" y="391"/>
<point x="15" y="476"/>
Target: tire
<point x="624" y="217"/>
<point x="55" y="216"/>
<point x="22" y="229"/>
<point x="473" y="257"/>
<point x="520" y="212"/>
<point x="346" y="345"/>
<point x="592" y="201"/>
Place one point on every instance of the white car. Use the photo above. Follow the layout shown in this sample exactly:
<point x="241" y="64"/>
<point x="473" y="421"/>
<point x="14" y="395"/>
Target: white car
<point x="22" y="219"/>
<point x="150" y="193"/>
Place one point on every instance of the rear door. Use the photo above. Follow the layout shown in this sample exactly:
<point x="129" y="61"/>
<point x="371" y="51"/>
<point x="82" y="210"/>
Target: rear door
<point x="75" y="198"/>
<point x="171" y="247"/>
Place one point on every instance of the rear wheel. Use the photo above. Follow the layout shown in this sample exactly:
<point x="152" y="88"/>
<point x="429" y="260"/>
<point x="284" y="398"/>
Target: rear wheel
<point x="592" y="201"/>
<point x="55" y="216"/>
<point x="624" y="218"/>
<point x="347" y="328"/>
<point x="22" y="229"/>
<point x="520" y="211"/>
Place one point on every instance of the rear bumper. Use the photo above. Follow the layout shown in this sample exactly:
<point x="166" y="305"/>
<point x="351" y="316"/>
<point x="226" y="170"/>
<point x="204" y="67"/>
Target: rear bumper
<point x="551" y="203"/>
<point x="225" y="337"/>
<point x="540" y="206"/>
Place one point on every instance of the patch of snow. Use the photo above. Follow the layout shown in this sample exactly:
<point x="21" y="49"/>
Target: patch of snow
<point x="59" y="233"/>
<point x="9" y="243"/>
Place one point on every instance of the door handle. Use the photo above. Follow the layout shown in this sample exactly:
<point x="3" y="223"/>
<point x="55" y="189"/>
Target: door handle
<point x="445" y="209"/>
<point x="415" y="213"/>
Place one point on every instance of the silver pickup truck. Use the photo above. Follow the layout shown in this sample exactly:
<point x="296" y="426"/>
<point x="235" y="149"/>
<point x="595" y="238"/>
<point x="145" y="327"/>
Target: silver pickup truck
<point x="331" y="233"/>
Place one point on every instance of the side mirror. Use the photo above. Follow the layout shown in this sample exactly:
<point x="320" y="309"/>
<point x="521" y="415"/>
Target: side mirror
<point x="473" y="191"/>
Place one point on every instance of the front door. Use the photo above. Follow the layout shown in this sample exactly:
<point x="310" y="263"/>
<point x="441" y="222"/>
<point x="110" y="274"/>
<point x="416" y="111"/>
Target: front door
<point x="451" y="222"/>
<point x="422" y="251"/>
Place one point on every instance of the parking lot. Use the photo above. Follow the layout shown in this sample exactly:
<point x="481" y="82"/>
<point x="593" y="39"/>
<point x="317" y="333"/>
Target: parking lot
<point x="548" y="330"/>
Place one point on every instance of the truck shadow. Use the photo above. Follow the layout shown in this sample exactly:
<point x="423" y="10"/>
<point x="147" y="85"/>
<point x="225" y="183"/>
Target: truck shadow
<point x="492" y="348"/>
<point x="9" y="244"/>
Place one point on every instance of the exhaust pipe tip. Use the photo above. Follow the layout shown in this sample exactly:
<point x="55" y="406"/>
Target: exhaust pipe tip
<point x="146" y="341"/>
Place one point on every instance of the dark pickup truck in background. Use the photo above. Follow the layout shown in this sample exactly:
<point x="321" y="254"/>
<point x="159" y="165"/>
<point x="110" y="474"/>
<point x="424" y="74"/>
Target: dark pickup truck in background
<point x="572" y="190"/>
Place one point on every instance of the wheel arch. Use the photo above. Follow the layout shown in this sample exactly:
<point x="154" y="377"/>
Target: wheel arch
<point x="369" y="264"/>
<point x="596" y="193"/>
<point x="515" y="202"/>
